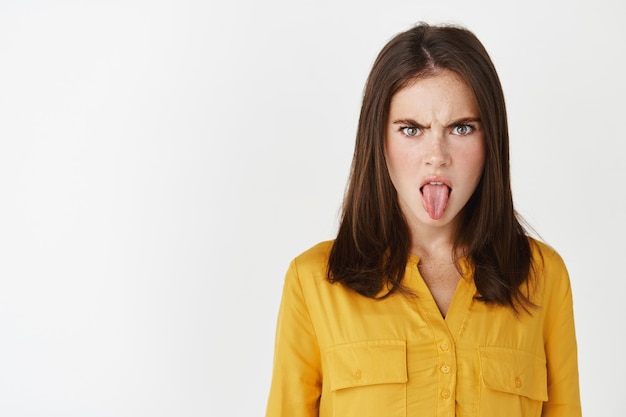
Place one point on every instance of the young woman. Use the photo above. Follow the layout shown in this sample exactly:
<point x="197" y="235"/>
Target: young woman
<point x="432" y="300"/>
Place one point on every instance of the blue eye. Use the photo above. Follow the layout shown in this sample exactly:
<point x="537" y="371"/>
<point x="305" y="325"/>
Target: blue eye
<point x="410" y="131"/>
<point x="462" y="130"/>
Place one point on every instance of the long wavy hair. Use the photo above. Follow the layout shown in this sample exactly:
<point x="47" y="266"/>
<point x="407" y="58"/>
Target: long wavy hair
<point x="372" y="246"/>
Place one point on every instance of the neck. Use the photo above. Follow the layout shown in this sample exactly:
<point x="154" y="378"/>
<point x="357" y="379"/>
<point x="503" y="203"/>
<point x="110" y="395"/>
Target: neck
<point x="434" y="243"/>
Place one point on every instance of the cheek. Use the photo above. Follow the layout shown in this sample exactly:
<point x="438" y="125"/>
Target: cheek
<point x="474" y="165"/>
<point x="393" y="159"/>
<point x="401" y="170"/>
<point x="476" y="158"/>
<point x="478" y="165"/>
<point x="401" y="157"/>
<point x="478" y="174"/>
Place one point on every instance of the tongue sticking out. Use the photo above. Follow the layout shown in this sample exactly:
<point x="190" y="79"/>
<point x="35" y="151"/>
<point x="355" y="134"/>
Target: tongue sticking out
<point x="435" y="199"/>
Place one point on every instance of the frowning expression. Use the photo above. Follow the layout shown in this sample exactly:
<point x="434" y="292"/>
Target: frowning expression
<point x="434" y="148"/>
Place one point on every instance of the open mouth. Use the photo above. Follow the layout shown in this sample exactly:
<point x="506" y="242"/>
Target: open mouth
<point x="436" y="183"/>
<point x="435" y="197"/>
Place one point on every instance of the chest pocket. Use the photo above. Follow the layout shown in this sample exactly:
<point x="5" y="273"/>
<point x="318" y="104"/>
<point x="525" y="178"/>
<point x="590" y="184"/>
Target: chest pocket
<point x="368" y="378"/>
<point x="513" y="381"/>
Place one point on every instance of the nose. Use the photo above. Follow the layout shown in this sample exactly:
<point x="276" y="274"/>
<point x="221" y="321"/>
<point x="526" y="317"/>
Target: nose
<point x="437" y="152"/>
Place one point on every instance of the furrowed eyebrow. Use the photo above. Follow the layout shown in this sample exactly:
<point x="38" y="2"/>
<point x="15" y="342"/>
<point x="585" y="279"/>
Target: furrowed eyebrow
<point x="407" y="122"/>
<point x="411" y="122"/>
<point x="466" y="120"/>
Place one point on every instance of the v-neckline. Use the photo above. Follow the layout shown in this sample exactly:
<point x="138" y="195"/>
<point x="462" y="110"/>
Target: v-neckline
<point x="459" y="305"/>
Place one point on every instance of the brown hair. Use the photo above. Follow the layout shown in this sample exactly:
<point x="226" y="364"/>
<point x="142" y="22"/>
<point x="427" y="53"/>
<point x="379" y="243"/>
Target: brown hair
<point x="372" y="246"/>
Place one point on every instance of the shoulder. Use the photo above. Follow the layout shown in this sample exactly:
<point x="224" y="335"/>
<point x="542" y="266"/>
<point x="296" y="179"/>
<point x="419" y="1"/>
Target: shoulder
<point x="307" y="278"/>
<point x="314" y="257"/>
<point x="550" y="270"/>
<point x="545" y="256"/>
<point x="312" y="264"/>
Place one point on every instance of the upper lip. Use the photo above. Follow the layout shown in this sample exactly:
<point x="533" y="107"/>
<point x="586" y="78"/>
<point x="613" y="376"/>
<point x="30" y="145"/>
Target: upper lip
<point x="436" y="179"/>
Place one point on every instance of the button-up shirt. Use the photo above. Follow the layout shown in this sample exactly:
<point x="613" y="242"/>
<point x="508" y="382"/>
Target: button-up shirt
<point x="340" y="354"/>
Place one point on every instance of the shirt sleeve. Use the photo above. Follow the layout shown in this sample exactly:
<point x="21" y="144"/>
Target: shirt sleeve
<point x="560" y="347"/>
<point x="296" y="379"/>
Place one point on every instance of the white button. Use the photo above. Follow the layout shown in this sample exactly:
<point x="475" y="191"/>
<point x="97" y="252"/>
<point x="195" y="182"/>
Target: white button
<point x="445" y="369"/>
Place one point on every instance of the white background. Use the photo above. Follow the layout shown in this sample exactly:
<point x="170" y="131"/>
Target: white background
<point x="161" y="162"/>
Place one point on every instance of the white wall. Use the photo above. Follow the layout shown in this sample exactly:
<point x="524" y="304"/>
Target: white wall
<point x="162" y="161"/>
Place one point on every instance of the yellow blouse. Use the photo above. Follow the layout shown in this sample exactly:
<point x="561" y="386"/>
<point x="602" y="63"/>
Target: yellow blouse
<point x="341" y="354"/>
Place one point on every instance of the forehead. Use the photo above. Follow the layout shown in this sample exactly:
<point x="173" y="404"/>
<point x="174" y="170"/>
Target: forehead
<point x="445" y="93"/>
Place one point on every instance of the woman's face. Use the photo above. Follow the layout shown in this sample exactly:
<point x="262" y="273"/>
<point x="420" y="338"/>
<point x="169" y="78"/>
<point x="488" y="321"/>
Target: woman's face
<point x="434" y="149"/>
